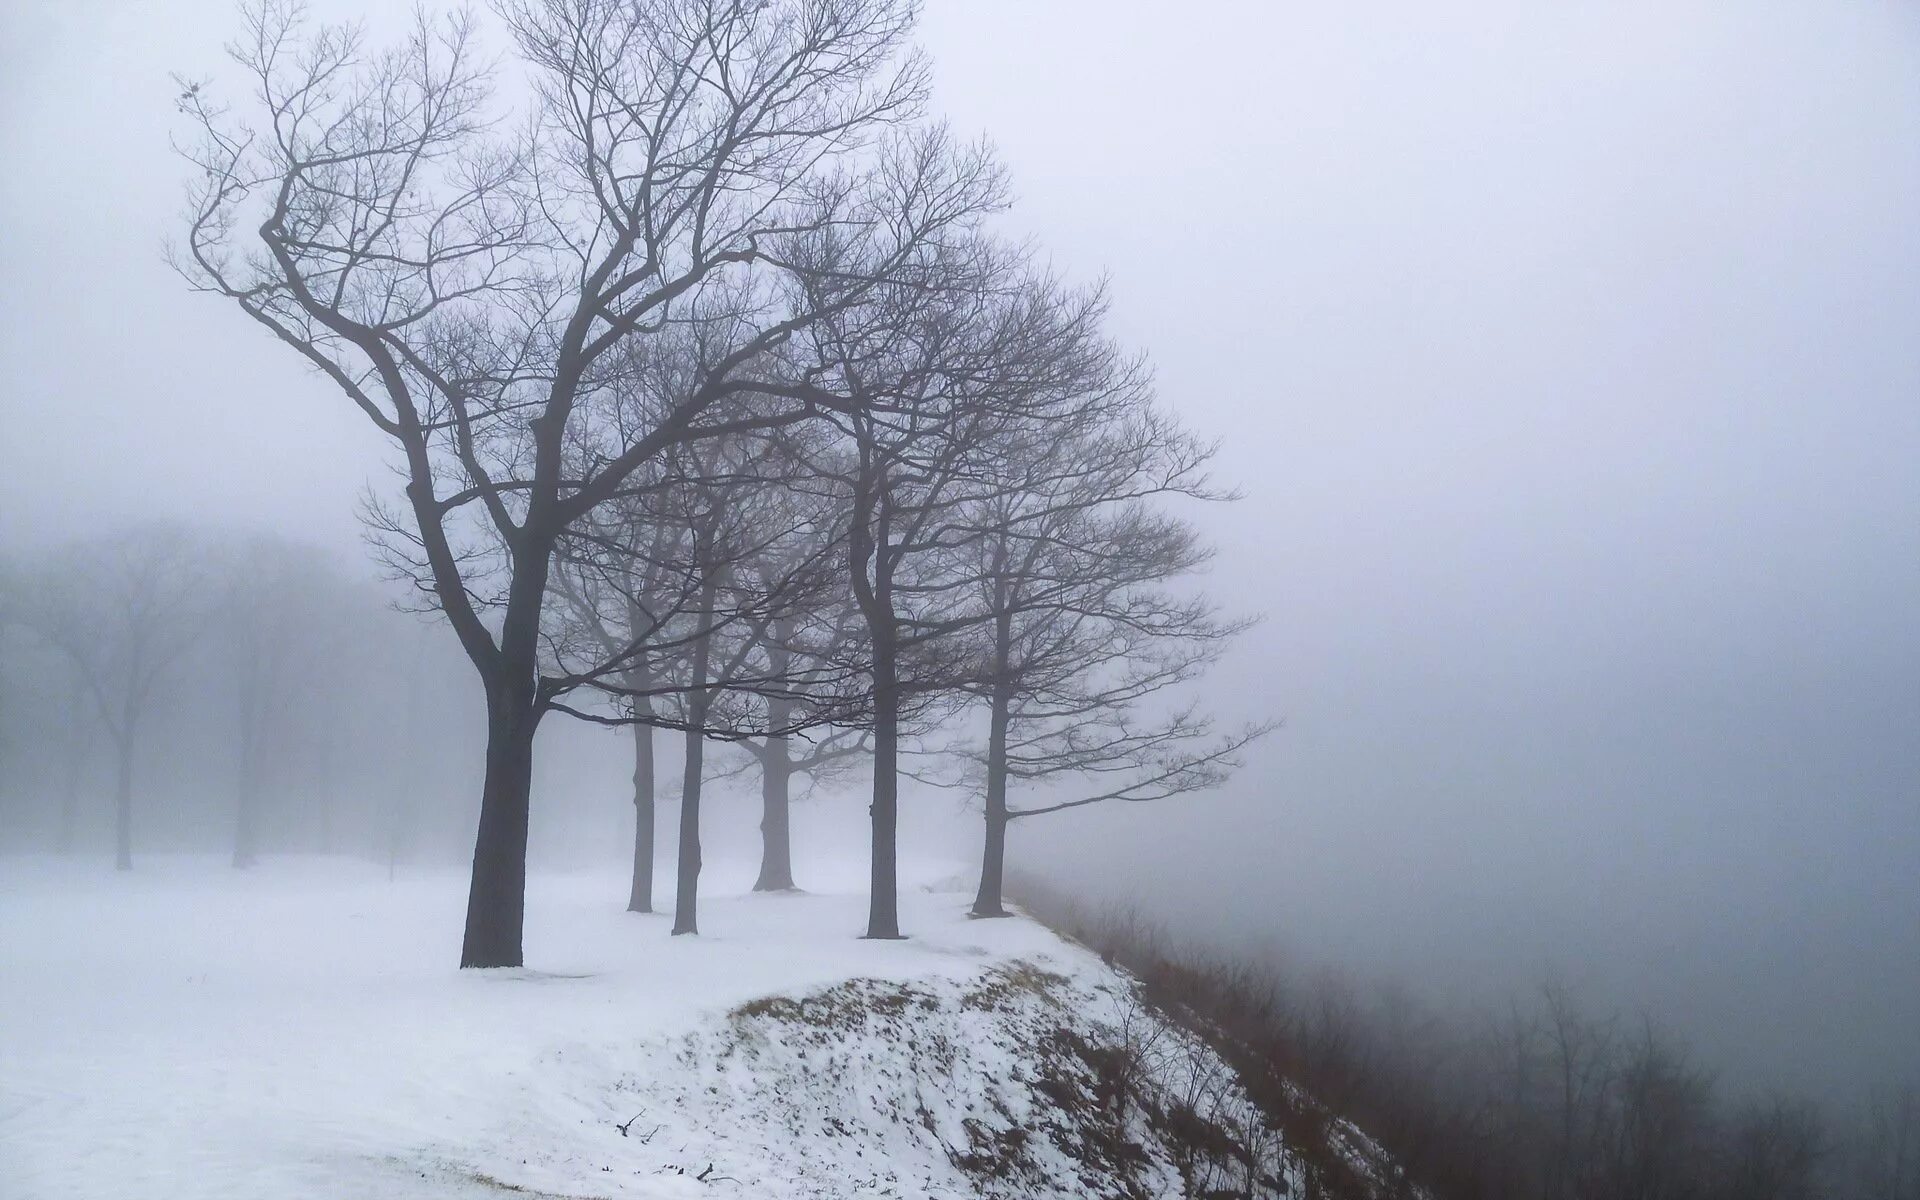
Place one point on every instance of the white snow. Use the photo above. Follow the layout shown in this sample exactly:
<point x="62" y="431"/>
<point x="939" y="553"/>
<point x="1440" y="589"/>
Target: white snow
<point x="299" y="1030"/>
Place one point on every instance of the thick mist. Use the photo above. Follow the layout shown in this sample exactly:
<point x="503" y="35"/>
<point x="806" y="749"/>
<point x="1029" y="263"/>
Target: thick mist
<point x="1565" y="357"/>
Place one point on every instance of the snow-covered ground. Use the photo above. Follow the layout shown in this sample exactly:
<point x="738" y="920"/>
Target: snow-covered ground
<point x="298" y="1030"/>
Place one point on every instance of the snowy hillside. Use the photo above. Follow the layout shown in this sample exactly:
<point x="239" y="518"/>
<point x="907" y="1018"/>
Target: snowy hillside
<point x="299" y="1030"/>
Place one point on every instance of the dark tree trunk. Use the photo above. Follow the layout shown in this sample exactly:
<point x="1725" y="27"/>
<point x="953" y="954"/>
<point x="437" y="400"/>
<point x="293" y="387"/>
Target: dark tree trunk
<point x="776" y="787"/>
<point x="686" y="884"/>
<point x="640" y="894"/>
<point x="883" y="905"/>
<point x="496" y="898"/>
<point x="123" y="802"/>
<point x="987" y="902"/>
<point x="776" y="843"/>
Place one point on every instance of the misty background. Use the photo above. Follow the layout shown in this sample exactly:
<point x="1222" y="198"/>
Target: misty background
<point x="1566" y="357"/>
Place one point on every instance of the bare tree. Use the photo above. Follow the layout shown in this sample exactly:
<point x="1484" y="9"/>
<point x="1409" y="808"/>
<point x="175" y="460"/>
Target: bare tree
<point x="1886" y="1156"/>
<point x="922" y="366"/>
<point x="1656" y="1140"/>
<point x="643" y="577"/>
<point x="74" y="707"/>
<point x="783" y="757"/>
<point x="472" y="284"/>
<point x="761" y="563"/>
<point x="1775" y="1150"/>
<point x="123" y="609"/>
<point x="621" y="585"/>
<point x="1072" y="564"/>
<point x="680" y="586"/>
<point x="810" y="651"/>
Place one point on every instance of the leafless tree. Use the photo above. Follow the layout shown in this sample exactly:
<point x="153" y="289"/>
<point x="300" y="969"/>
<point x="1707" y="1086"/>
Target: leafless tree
<point x="816" y="756"/>
<point x="643" y="578"/>
<point x="65" y="688"/>
<point x="813" y="653"/>
<point x="764" y="563"/>
<point x="693" y="590"/>
<point x="472" y="283"/>
<point x="1886" y="1153"/>
<point x="939" y="377"/>
<point x="1657" y="1139"/>
<point x="1073" y="563"/>
<point x="820" y="725"/>
<point x="621" y="583"/>
<point x="122" y="609"/>
<point x="1775" y="1150"/>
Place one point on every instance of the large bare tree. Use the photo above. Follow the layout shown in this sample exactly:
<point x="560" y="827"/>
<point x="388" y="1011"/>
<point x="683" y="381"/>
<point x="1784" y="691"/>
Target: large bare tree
<point x="472" y="277"/>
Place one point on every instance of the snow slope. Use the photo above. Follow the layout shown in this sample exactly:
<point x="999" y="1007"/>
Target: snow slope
<point x="299" y="1030"/>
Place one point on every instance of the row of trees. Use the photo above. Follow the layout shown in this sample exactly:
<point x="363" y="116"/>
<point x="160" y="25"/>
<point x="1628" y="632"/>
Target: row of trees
<point x="247" y="657"/>
<point x="721" y="408"/>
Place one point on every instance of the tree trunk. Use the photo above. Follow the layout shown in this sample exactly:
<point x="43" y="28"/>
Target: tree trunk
<point x="496" y="898"/>
<point x="776" y="843"/>
<point x="686" y="884"/>
<point x="883" y="904"/>
<point x="123" y="802"/>
<point x="776" y="787"/>
<point x="686" y="893"/>
<point x="987" y="902"/>
<point x="640" y="894"/>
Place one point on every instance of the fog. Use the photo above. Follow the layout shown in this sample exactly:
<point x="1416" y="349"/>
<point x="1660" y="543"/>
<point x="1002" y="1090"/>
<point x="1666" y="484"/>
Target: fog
<point x="1565" y="356"/>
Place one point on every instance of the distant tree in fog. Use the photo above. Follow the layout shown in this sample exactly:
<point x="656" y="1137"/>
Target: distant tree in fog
<point x="281" y="610"/>
<point x="123" y="609"/>
<point x="782" y="757"/>
<point x="618" y="585"/>
<point x="1774" y="1149"/>
<point x="1885" y="1151"/>
<point x="801" y="666"/>
<point x="811" y="726"/>
<point x="471" y="283"/>
<point x="1657" y="1137"/>
<point x="715" y="550"/>
<point x="761" y="561"/>
<point x="1547" y="1101"/>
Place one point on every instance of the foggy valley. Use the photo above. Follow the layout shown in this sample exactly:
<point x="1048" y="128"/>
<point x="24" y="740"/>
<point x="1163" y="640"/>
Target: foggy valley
<point x="562" y="561"/>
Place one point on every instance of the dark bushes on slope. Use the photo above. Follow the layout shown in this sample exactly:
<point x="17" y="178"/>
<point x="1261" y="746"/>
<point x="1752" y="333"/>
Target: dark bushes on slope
<point x="1546" y="1101"/>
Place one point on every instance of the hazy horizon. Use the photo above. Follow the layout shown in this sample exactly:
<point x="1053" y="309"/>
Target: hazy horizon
<point x="1566" y="358"/>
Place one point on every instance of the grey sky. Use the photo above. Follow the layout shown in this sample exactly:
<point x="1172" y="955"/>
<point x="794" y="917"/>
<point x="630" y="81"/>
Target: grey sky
<point x="1566" y="353"/>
